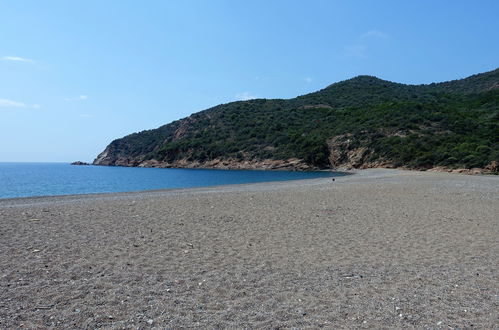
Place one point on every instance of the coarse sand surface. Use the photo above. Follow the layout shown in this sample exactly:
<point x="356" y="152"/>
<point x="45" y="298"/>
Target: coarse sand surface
<point x="377" y="249"/>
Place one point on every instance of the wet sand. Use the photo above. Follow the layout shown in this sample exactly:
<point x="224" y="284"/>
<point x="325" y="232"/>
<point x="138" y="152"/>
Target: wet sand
<point x="379" y="249"/>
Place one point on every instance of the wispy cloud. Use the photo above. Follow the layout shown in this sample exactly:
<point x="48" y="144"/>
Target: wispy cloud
<point x="308" y="80"/>
<point x="245" y="96"/>
<point x="5" y="103"/>
<point x="77" y="98"/>
<point x="374" y="34"/>
<point x="358" y="51"/>
<point x="360" y="47"/>
<point x="17" y="59"/>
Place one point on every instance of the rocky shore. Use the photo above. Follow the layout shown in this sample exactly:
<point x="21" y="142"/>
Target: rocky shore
<point x="292" y="164"/>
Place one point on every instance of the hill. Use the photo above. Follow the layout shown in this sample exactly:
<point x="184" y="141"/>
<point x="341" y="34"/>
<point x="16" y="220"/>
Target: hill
<point x="361" y="122"/>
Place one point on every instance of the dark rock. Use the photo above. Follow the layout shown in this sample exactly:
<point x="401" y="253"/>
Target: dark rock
<point x="79" y="163"/>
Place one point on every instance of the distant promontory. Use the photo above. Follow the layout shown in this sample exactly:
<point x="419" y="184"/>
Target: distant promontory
<point x="362" y="122"/>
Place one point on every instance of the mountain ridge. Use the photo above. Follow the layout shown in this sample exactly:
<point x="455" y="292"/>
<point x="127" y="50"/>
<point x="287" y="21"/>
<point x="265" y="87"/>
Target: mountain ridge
<point x="359" y="122"/>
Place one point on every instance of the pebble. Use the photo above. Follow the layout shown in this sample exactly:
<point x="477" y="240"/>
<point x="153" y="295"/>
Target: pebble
<point x="150" y="321"/>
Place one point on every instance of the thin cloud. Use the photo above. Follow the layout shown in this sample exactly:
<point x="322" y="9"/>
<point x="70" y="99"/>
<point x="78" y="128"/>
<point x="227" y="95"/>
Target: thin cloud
<point x="374" y="34"/>
<point x="245" y="96"/>
<point x="358" y="51"/>
<point x="5" y="103"/>
<point x="308" y="80"/>
<point x="17" y="59"/>
<point x="78" y="98"/>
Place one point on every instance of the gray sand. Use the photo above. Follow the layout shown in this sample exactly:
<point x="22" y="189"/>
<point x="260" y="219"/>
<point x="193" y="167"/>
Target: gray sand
<point x="379" y="249"/>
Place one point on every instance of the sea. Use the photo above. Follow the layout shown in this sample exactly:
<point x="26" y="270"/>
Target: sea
<point x="52" y="179"/>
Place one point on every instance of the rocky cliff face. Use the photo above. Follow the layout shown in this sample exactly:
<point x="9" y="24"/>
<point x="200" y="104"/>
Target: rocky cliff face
<point x="112" y="157"/>
<point x="344" y="153"/>
<point x="342" y="157"/>
<point x="292" y="164"/>
<point x="104" y="158"/>
<point x="115" y="155"/>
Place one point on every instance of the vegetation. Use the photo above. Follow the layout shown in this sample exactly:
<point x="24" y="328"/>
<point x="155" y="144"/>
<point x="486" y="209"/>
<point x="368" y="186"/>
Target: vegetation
<point x="451" y="124"/>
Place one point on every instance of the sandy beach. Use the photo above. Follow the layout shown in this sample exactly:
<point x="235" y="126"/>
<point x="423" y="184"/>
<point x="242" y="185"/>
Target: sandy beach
<point x="378" y="249"/>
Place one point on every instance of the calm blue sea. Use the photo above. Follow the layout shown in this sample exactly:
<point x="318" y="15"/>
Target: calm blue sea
<point x="49" y="179"/>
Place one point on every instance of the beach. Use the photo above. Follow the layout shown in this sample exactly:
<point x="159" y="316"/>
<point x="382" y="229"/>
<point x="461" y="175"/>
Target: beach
<point x="377" y="249"/>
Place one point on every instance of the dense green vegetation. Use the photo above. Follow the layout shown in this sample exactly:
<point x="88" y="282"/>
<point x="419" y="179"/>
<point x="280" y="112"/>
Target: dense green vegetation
<point x="451" y="124"/>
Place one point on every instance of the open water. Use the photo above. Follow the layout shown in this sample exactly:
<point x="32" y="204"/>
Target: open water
<point x="50" y="179"/>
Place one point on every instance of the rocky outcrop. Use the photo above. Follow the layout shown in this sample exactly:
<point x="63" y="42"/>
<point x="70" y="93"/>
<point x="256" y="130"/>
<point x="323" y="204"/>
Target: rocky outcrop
<point x="112" y="156"/>
<point x="474" y="170"/>
<point x="344" y="153"/>
<point x="292" y="164"/>
<point x="184" y="127"/>
<point x="105" y="158"/>
<point x="79" y="163"/>
<point x="493" y="167"/>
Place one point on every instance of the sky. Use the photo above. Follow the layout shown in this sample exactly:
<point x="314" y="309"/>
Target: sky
<point x="75" y="75"/>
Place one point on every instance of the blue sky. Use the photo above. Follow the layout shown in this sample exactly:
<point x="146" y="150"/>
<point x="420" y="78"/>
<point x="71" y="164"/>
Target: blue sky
<point x="74" y="75"/>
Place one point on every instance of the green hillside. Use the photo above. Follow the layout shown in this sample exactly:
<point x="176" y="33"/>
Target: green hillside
<point x="361" y="122"/>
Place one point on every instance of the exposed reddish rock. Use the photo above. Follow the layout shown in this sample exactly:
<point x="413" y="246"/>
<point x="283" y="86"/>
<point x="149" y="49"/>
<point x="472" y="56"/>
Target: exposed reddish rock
<point x="184" y="127"/>
<point x="343" y="155"/>
<point x="292" y="164"/>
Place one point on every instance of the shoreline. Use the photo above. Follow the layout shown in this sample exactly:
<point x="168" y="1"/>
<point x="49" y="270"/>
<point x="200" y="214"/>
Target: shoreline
<point x="237" y="187"/>
<point x="379" y="249"/>
<point x="342" y="171"/>
<point x="339" y="174"/>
